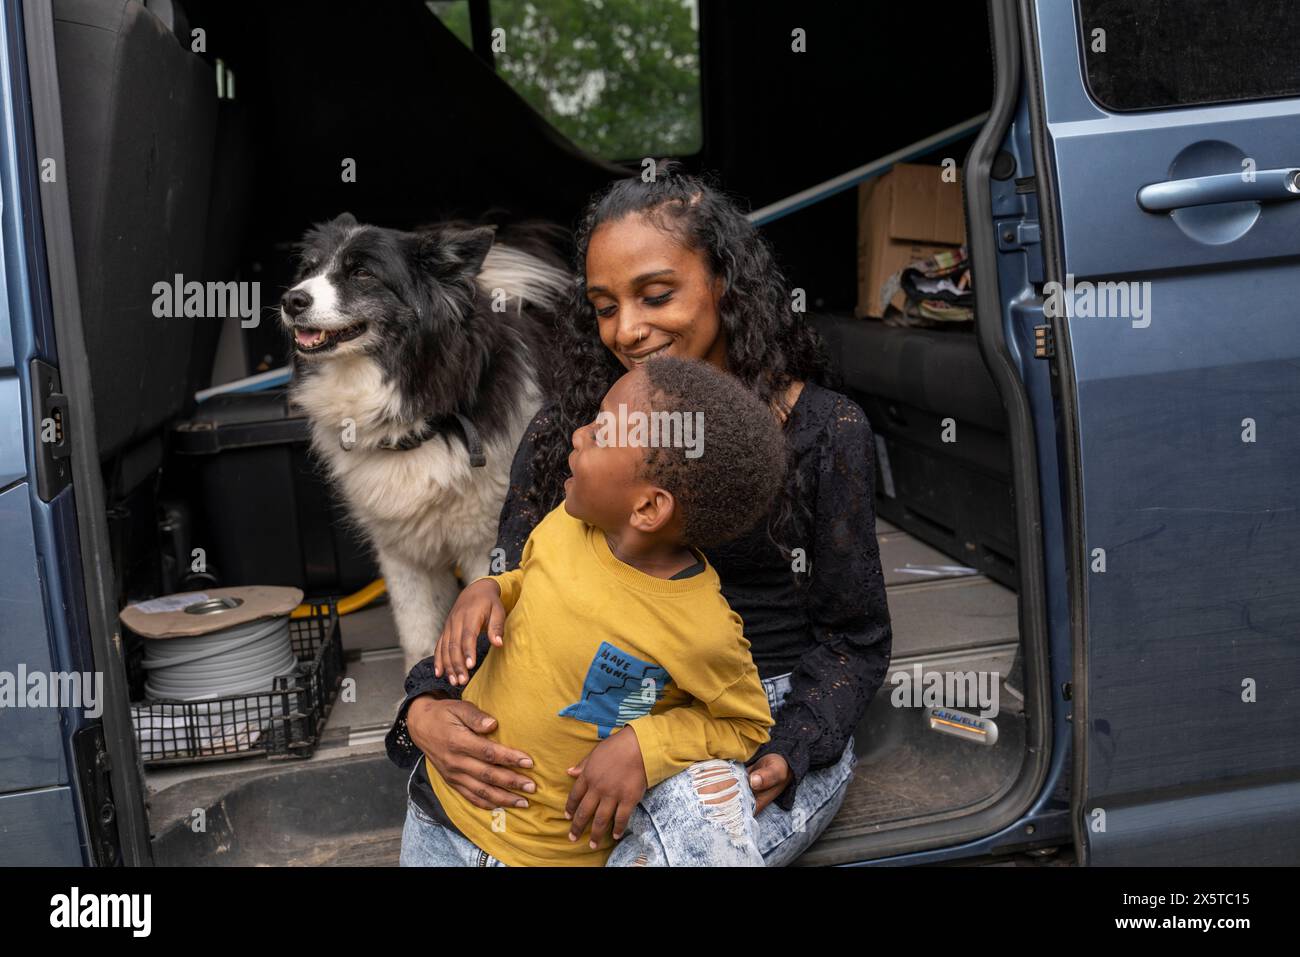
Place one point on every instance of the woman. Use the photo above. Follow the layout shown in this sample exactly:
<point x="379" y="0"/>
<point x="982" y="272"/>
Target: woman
<point x="673" y="265"/>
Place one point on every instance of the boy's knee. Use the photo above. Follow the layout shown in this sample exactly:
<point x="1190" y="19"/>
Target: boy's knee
<point x="710" y="778"/>
<point x="722" y="792"/>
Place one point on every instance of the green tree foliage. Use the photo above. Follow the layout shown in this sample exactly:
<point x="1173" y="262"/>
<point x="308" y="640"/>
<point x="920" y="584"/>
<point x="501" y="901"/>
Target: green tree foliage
<point x="620" y="78"/>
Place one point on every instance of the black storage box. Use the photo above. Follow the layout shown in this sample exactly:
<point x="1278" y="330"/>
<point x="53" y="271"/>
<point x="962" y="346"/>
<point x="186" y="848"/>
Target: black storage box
<point x="265" y="514"/>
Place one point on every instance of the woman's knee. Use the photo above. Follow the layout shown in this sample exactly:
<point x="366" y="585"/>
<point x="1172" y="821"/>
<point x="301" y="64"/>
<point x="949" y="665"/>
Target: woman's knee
<point x="784" y="835"/>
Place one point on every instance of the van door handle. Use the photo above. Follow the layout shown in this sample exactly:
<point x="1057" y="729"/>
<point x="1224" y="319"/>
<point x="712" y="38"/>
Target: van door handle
<point x="1265" y="186"/>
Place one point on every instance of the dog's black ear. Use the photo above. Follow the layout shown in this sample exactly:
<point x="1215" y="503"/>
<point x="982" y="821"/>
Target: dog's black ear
<point x="455" y="251"/>
<point x="470" y="247"/>
<point x="345" y="219"/>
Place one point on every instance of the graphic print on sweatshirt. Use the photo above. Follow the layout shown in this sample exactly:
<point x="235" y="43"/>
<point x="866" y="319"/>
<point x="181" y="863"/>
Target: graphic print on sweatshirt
<point x="619" y="688"/>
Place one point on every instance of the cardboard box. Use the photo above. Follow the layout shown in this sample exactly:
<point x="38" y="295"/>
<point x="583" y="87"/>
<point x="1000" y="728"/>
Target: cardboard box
<point x="907" y="214"/>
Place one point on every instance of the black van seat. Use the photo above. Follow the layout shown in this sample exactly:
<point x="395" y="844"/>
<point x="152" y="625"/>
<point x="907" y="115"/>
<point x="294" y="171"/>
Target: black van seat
<point x="932" y="369"/>
<point x="228" y="218"/>
<point x="139" y="115"/>
<point x="953" y="495"/>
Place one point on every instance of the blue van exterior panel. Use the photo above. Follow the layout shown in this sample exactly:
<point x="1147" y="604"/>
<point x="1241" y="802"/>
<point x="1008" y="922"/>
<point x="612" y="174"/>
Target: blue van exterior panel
<point x="1188" y="407"/>
<point x="1193" y="625"/>
<point x="31" y="743"/>
<point x="1098" y="204"/>
<point x="38" y="829"/>
<point x="1253" y="826"/>
<point x="13" y="458"/>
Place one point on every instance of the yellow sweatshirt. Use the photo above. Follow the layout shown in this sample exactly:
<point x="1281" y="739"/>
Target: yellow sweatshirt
<point x="591" y="644"/>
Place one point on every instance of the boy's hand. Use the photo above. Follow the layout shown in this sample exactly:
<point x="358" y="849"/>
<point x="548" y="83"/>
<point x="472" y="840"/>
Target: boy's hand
<point x="477" y="609"/>
<point x="610" y="782"/>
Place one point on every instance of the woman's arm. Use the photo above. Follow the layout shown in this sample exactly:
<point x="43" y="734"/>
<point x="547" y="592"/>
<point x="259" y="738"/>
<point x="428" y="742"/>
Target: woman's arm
<point x="835" y="680"/>
<point x="518" y="517"/>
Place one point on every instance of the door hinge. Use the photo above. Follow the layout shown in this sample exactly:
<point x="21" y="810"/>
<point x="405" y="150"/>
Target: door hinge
<point x="1044" y="342"/>
<point x="53" y="445"/>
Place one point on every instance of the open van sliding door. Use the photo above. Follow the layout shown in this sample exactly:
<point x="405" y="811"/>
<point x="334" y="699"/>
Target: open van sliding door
<point x="84" y="800"/>
<point x="1167" y="150"/>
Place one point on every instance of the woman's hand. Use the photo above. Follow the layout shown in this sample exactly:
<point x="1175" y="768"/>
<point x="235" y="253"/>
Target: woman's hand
<point x="768" y="777"/>
<point x="451" y="733"/>
<point x="610" y="782"/>
<point x="477" y="609"/>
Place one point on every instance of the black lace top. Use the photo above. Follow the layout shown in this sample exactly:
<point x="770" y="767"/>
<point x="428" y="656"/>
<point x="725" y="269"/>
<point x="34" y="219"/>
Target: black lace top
<point x="809" y="588"/>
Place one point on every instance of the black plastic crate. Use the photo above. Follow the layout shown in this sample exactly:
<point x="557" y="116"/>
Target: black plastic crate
<point x="283" y="722"/>
<point x="261" y="503"/>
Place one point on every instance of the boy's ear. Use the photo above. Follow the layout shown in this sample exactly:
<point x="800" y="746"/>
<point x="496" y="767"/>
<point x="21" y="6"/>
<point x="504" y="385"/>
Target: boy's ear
<point x="455" y="252"/>
<point x="653" y="510"/>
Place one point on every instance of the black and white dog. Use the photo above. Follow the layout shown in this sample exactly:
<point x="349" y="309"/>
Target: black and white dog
<point x="416" y="358"/>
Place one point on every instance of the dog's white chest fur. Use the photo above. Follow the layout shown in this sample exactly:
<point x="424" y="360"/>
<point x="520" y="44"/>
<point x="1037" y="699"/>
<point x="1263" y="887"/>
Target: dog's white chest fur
<point x="426" y="510"/>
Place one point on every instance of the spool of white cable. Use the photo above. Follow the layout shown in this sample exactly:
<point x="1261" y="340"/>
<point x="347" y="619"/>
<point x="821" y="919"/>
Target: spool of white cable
<point x="211" y="660"/>
<point x="243" y="659"/>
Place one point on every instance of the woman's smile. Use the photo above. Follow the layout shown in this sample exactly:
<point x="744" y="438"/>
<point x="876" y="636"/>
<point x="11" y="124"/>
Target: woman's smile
<point x="636" y="358"/>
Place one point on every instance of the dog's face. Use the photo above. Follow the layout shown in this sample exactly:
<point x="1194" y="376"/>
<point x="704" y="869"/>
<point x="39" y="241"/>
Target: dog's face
<point x="389" y="294"/>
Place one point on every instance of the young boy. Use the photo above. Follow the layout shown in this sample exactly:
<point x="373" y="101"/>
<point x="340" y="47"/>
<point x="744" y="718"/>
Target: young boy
<point x="618" y="662"/>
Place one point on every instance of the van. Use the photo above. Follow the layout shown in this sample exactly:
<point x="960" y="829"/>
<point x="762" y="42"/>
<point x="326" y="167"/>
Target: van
<point x="1088" y="491"/>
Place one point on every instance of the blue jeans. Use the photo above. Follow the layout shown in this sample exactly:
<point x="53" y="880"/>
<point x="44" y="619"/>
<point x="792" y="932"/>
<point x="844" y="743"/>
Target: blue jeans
<point x="678" y="824"/>
<point x="673" y="826"/>
<point x="426" y="843"/>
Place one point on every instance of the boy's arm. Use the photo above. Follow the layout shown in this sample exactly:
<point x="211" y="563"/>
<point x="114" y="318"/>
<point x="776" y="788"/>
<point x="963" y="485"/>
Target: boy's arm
<point x="510" y="582"/>
<point x="732" y="725"/>
<point x="457" y="651"/>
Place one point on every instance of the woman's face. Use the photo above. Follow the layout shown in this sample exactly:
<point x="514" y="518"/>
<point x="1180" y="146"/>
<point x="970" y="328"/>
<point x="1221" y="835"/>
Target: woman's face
<point x="651" y="295"/>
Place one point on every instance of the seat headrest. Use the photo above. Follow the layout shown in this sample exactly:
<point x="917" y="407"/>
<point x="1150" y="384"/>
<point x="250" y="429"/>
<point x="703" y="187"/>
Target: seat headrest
<point x="172" y="14"/>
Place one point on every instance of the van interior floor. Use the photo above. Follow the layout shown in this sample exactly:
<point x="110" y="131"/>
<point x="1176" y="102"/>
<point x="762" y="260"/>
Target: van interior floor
<point x="345" y="805"/>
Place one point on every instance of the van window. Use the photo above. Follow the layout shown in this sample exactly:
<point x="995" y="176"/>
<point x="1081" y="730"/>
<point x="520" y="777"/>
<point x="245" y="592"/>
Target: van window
<point x="1149" y="54"/>
<point x="454" y="15"/>
<point x="620" y="78"/>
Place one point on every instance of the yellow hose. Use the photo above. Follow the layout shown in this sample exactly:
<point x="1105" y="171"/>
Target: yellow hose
<point x="351" y="603"/>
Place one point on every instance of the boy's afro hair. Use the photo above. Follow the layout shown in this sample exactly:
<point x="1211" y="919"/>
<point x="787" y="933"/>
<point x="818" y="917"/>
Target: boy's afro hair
<point x="735" y="479"/>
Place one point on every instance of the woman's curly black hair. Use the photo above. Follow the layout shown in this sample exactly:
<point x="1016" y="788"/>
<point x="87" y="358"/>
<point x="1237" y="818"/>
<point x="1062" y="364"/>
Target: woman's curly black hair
<point x="769" y="345"/>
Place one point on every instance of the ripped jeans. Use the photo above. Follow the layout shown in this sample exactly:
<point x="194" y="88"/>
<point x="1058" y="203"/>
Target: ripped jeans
<point x="701" y="816"/>
<point x="675" y="825"/>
